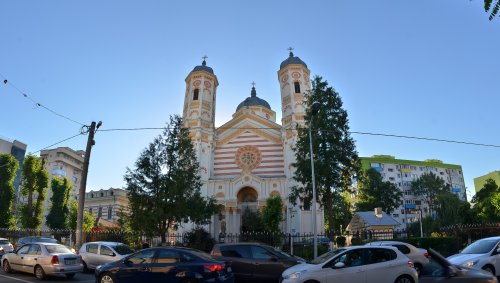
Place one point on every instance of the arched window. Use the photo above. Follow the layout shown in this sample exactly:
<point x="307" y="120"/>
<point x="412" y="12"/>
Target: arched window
<point x="297" y="87"/>
<point x="195" y="94"/>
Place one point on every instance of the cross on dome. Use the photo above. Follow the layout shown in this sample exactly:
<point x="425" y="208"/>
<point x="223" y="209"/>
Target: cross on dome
<point x="290" y="49"/>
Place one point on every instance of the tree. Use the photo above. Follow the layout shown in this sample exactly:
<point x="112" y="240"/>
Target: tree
<point x="428" y="186"/>
<point x="165" y="189"/>
<point x="88" y="218"/>
<point x="342" y="214"/>
<point x="34" y="182"/>
<point x="335" y="157"/>
<point x="449" y="209"/>
<point x="59" y="209"/>
<point x="373" y="192"/>
<point x="8" y="169"/>
<point x="486" y="202"/>
<point x="492" y="9"/>
<point x="251" y="221"/>
<point x="272" y="214"/>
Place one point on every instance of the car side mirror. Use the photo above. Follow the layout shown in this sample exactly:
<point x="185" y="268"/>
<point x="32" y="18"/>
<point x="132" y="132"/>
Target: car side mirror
<point x="498" y="251"/>
<point x="452" y="272"/>
<point x="339" y="265"/>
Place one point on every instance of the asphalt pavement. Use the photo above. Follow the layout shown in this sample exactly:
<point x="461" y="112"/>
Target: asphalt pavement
<point x="18" y="277"/>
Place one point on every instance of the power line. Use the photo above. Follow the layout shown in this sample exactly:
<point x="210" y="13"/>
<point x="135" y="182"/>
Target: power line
<point x="351" y="132"/>
<point x="38" y="104"/>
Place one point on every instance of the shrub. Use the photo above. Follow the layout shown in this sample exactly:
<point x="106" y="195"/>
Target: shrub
<point x="340" y="241"/>
<point x="200" y="239"/>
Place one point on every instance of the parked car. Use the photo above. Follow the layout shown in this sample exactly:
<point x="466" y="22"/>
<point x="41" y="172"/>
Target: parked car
<point x="5" y="246"/>
<point x="416" y="255"/>
<point x="97" y="253"/>
<point x="483" y="254"/>
<point x="439" y="269"/>
<point x="355" y="264"/>
<point x="254" y="261"/>
<point x="31" y="239"/>
<point x="165" y="264"/>
<point x="43" y="259"/>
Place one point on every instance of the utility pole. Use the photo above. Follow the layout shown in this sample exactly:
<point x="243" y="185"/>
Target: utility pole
<point x="83" y="184"/>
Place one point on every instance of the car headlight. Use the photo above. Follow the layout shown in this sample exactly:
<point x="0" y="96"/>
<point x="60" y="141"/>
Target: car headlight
<point x="470" y="263"/>
<point x="295" y="275"/>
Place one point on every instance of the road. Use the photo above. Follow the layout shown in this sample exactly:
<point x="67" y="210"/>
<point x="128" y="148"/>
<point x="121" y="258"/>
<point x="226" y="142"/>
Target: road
<point x="30" y="278"/>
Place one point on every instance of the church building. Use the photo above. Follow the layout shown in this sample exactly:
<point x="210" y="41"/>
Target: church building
<point x="250" y="157"/>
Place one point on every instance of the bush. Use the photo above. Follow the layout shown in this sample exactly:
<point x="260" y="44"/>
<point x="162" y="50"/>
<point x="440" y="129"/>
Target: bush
<point x="340" y="241"/>
<point x="306" y="251"/>
<point x="200" y="239"/>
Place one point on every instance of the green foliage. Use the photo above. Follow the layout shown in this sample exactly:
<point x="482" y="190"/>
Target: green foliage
<point x="486" y="202"/>
<point x="200" y="239"/>
<point x="492" y="10"/>
<point x="251" y="221"/>
<point x="165" y="189"/>
<point x="429" y="186"/>
<point x="335" y="157"/>
<point x="8" y="169"/>
<point x="340" y="241"/>
<point x="272" y="214"/>
<point x="341" y="211"/>
<point x="35" y="180"/>
<point x="306" y="251"/>
<point x="373" y="193"/>
<point x="88" y="218"/>
<point x="449" y="209"/>
<point x="59" y="209"/>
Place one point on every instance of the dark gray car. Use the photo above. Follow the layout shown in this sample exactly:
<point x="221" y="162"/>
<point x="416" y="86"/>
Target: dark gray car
<point x="439" y="269"/>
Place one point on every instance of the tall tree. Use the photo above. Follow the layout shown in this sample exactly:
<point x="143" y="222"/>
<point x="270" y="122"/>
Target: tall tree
<point x="34" y="182"/>
<point x="8" y="169"/>
<point x="165" y="189"/>
<point x="59" y="209"/>
<point x="374" y="192"/>
<point x="428" y="186"/>
<point x="88" y="218"/>
<point x="272" y="214"/>
<point x="342" y="213"/>
<point x="335" y="157"/>
<point x="449" y="209"/>
<point x="486" y="200"/>
<point x="492" y="8"/>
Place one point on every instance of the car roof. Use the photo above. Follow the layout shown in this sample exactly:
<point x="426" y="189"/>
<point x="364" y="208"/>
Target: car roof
<point x="388" y="243"/>
<point x="497" y="238"/>
<point x="4" y="239"/>
<point x="105" y="243"/>
<point x="370" y="247"/>
<point x="241" y="243"/>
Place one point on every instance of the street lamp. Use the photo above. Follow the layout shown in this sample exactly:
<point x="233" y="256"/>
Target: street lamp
<point x="314" y="110"/>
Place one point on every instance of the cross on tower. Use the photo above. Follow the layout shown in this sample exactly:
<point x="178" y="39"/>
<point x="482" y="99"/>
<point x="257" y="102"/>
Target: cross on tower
<point x="290" y="49"/>
<point x="204" y="57"/>
<point x="253" y="84"/>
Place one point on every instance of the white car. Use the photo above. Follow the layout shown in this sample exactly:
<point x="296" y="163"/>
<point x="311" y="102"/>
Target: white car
<point x="5" y="246"/>
<point x="416" y="255"/>
<point x="355" y="264"/>
<point x="98" y="253"/>
<point x="483" y="254"/>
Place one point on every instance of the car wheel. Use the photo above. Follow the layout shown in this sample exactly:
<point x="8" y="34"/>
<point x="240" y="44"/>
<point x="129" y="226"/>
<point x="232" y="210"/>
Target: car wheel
<point x="39" y="273"/>
<point x="418" y="268"/>
<point x="6" y="267"/>
<point x="106" y="278"/>
<point x="404" y="279"/>
<point x="70" y="275"/>
<point x="85" y="268"/>
<point x="490" y="269"/>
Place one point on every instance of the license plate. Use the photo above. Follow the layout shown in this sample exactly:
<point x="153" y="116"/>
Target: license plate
<point x="70" y="262"/>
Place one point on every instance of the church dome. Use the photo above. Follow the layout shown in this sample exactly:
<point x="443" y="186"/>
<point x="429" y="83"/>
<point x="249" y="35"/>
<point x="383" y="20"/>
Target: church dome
<point x="292" y="60"/>
<point x="203" y="67"/>
<point x="253" y="100"/>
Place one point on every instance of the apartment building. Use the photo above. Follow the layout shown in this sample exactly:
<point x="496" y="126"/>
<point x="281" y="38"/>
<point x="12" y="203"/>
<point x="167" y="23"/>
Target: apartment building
<point x="403" y="172"/>
<point x="479" y="182"/>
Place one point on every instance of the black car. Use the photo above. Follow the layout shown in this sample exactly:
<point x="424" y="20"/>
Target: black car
<point x="32" y="239"/>
<point x="165" y="264"/>
<point x="254" y="261"/>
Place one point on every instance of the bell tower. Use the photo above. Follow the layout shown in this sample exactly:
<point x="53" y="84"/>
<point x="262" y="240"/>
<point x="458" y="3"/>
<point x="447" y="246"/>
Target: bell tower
<point x="199" y="113"/>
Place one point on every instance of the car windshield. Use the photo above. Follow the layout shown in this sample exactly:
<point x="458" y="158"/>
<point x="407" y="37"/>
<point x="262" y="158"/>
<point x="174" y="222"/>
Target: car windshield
<point x="480" y="247"/>
<point x="4" y="242"/>
<point x="57" y="249"/>
<point x="326" y="256"/>
<point x="123" y="249"/>
<point x="45" y="240"/>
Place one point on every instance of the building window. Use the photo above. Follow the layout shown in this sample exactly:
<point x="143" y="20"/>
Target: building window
<point x="111" y="193"/>
<point x="99" y="212"/>
<point x="90" y="209"/>
<point x="297" y="87"/>
<point x="102" y="194"/>
<point x="195" y="94"/>
<point x="110" y="212"/>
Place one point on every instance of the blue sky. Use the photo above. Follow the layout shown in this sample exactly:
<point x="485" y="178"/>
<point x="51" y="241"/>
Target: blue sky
<point x="420" y="68"/>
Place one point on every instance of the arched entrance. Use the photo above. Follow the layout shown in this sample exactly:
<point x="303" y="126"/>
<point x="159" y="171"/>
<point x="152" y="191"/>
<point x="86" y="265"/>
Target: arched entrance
<point x="248" y="206"/>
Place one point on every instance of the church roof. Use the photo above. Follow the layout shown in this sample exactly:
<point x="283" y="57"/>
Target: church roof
<point x="253" y="100"/>
<point x="292" y="60"/>
<point x="203" y="67"/>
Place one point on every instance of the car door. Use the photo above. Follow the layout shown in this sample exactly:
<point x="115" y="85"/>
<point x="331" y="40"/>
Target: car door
<point x="166" y="267"/>
<point x="16" y="259"/>
<point x="496" y="258"/>
<point x="381" y="264"/>
<point x="353" y="270"/>
<point x="137" y="267"/>
<point x="240" y="260"/>
<point x="91" y="256"/>
<point x="434" y="271"/>
<point x="31" y="258"/>
<point x="266" y="265"/>
<point x="106" y="255"/>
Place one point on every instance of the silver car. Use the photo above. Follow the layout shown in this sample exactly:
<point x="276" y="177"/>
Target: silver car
<point x="5" y="246"/>
<point x="43" y="259"/>
<point x="98" y="253"/>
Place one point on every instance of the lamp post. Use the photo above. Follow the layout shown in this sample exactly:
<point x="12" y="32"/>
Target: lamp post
<point x="314" y="110"/>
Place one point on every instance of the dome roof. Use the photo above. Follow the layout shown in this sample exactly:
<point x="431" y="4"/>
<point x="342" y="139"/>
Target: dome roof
<point x="292" y="60"/>
<point x="203" y="67"/>
<point x="253" y="100"/>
